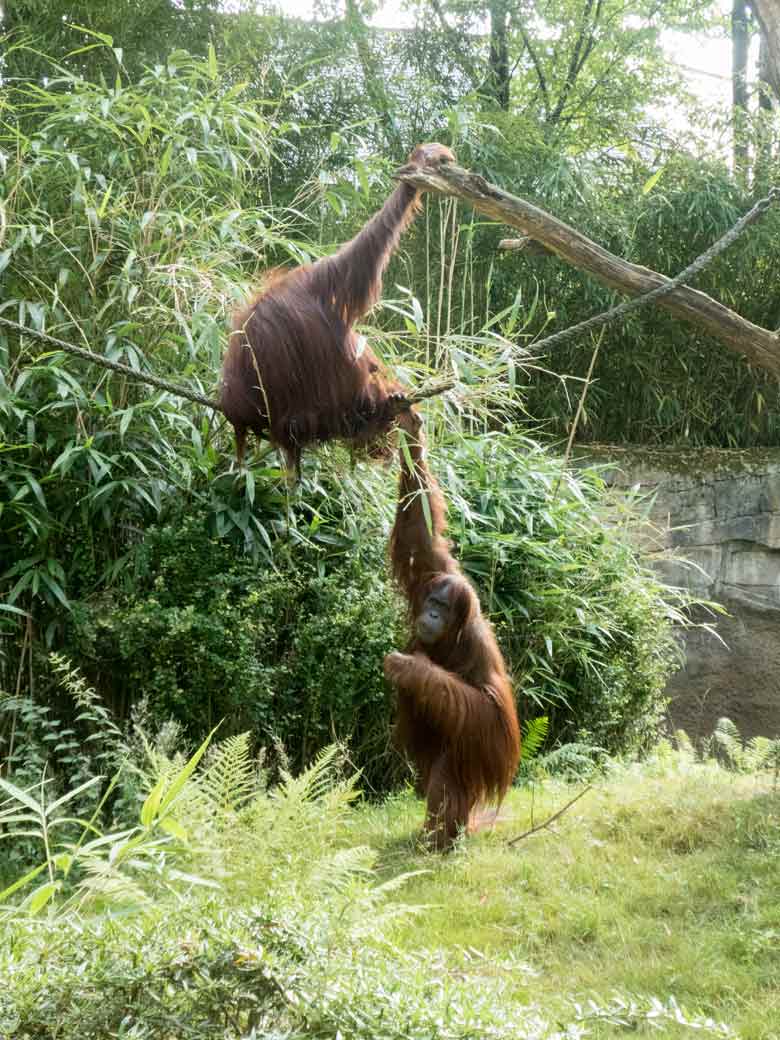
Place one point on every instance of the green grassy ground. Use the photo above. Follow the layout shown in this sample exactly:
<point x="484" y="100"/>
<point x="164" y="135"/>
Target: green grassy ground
<point x="661" y="881"/>
<point x="657" y="892"/>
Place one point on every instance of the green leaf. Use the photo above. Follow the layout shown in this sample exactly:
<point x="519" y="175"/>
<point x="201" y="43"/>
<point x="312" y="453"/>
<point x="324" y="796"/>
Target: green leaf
<point x="174" y="828"/>
<point x="63" y="861"/>
<point x="124" y="422"/>
<point x="165" y="160"/>
<point x="425" y="503"/>
<point x="21" y="882"/>
<point x="56" y="589"/>
<point x="73" y="794"/>
<point x="651" y="182"/>
<point x="184" y="774"/>
<point x="38" y="899"/>
<point x="103" y="37"/>
<point x="20" y="796"/>
<point x="152" y="803"/>
<point x="104" y="203"/>
<point x="362" y="174"/>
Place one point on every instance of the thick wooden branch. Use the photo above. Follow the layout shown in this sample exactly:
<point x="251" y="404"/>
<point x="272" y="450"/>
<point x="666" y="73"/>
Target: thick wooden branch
<point x="759" y="346"/>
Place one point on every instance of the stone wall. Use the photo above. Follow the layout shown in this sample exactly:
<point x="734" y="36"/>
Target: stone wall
<point x="713" y="526"/>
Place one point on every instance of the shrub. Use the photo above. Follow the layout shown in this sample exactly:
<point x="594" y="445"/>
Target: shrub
<point x="292" y="649"/>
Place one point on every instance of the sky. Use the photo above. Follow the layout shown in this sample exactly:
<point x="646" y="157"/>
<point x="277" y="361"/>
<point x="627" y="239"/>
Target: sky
<point x="704" y="60"/>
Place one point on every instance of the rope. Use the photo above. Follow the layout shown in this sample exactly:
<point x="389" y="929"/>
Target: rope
<point x="116" y="366"/>
<point x="671" y="284"/>
<point x="395" y="407"/>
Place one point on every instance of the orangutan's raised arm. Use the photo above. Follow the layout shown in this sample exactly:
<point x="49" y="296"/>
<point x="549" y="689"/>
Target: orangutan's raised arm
<point x="418" y="548"/>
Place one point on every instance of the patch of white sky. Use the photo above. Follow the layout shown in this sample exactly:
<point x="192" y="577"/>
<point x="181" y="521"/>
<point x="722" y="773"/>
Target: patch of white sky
<point x="704" y="59"/>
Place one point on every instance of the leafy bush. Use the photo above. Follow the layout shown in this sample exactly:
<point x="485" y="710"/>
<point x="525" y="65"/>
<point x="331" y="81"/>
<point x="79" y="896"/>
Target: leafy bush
<point x="291" y="651"/>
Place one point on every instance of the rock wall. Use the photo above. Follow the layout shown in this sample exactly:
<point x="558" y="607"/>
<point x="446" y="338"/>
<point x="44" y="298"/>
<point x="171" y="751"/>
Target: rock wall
<point x="713" y="526"/>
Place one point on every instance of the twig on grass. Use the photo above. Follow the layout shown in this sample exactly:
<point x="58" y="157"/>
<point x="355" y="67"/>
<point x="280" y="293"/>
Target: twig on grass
<point x="550" y="819"/>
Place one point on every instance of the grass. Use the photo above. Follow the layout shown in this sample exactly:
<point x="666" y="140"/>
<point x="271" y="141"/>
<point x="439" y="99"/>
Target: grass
<point x="664" y="880"/>
<point x="651" y="906"/>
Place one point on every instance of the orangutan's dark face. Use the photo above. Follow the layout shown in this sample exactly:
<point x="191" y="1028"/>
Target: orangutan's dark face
<point x="435" y="617"/>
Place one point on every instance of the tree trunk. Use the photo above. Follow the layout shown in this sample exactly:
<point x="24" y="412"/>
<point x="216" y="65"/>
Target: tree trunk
<point x="768" y="14"/>
<point x="498" y="78"/>
<point x="758" y="346"/>
<point x="739" y="92"/>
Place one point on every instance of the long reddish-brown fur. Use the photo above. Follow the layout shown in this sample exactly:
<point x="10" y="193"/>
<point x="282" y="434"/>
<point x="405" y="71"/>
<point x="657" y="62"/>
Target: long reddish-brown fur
<point x="294" y="370"/>
<point x="456" y="716"/>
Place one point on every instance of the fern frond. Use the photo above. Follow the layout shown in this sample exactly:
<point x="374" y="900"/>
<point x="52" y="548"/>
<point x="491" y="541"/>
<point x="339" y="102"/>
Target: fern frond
<point x="313" y="783"/>
<point x="726" y="737"/>
<point x="102" y="881"/>
<point x="229" y="779"/>
<point x="757" y="753"/>
<point x="575" y="760"/>
<point x="534" y="736"/>
<point x="338" y="870"/>
<point x="725" y="728"/>
<point x="85" y="696"/>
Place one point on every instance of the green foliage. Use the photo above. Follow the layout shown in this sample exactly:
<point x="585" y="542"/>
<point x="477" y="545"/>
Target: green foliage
<point x="57" y="752"/>
<point x="744" y="756"/>
<point x="127" y="215"/>
<point x="71" y="33"/>
<point x="292" y="651"/>
<point x="188" y="810"/>
<point x="229" y="910"/>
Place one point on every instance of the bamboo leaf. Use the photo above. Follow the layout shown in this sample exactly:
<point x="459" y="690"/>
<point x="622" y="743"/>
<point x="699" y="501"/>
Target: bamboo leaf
<point x="38" y="899"/>
<point x="22" y="881"/>
<point x="21" y="796"/>
<point x="152" y="803"/>
<point x="184" y="774"/>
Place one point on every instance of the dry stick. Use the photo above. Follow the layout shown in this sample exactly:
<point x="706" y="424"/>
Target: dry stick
<point x="578" y="414"/>
<point x="550" y="819"/>
<point x="394" y="407"/>
<point x="26" y="645"/>
<point x="759" y="346"/>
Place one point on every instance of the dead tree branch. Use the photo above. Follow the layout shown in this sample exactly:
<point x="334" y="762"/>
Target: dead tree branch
<point x="759" y="346"/>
